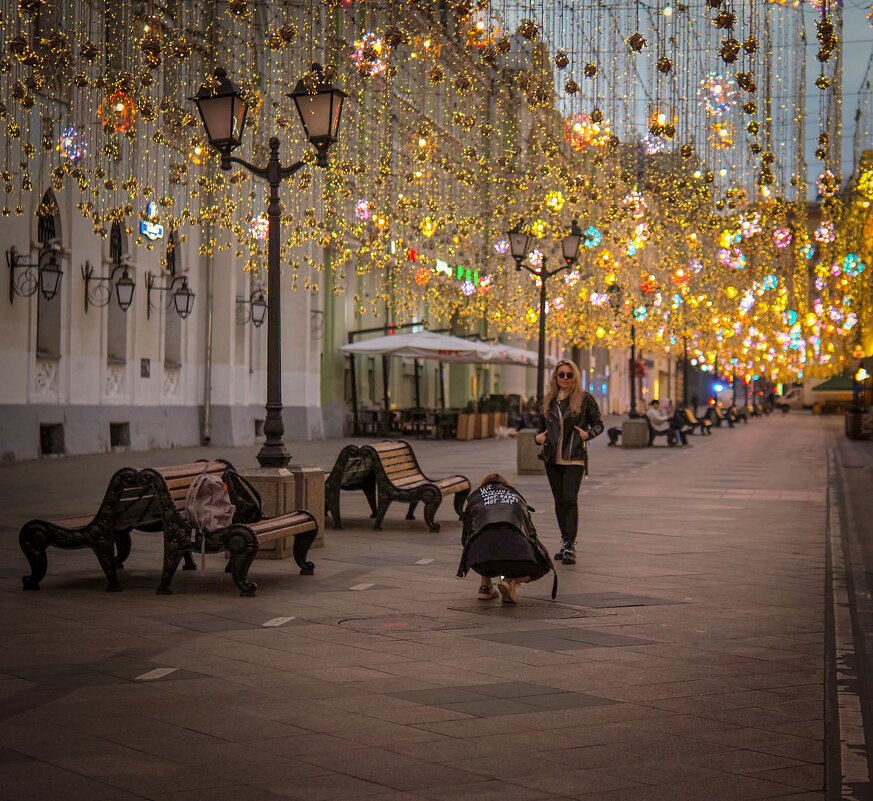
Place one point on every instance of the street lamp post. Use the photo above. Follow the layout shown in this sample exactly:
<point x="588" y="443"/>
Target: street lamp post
<point x="519" y="243"/>
<point x="223" y="112"/>
<point x="616" y="300"/>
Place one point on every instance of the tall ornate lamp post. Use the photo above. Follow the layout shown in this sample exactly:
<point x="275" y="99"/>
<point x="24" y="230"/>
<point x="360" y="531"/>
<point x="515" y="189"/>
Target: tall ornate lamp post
<point x="519" y="243"/>
<point x="616" y="300"/>
<point x="223" y="112"/>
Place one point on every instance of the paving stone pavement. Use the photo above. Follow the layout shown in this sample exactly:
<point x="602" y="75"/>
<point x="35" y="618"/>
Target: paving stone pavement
<point x="683" y="659"/>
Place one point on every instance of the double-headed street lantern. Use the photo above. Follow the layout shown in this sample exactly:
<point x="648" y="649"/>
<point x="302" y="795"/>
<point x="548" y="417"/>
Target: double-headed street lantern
<point x="223" y="111"/>
<point x="318" y="102"/>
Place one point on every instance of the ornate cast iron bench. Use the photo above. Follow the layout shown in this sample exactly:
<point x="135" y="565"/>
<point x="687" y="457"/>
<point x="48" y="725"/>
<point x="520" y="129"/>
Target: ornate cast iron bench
<point x="399" y="478"/>
<point x="153" y="500"/>
<point x="654" y="432"/>
<point x="352" y="471"/>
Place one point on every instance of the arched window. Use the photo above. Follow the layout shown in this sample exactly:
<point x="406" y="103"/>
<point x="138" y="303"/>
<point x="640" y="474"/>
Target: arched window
<point x="48" y="312"/>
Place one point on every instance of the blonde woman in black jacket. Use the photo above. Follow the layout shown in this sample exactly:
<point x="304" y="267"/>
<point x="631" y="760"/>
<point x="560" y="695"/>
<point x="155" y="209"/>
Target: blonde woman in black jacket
<point x="571" y="417"/>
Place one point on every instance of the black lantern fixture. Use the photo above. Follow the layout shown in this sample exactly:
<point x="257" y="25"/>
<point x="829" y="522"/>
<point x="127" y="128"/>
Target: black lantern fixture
<point x="570" y="244"/>
<point x="223" y="112"/>
<point x="253" y="310"/>
<point x="519" y="242"/>
<point x="519" y="245"/>
<point x="181" y="296"/>
<point x="320" y="106"/>
<point x="98" y="289"/>
<point x="26" y="277"/>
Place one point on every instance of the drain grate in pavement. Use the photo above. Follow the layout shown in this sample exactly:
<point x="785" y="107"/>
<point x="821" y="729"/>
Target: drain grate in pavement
<point x="391" y="624"/>
<point x="534" y="610"/>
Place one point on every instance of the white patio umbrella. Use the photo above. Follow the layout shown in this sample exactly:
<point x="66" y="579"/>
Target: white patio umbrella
<point x="426" y="345"/>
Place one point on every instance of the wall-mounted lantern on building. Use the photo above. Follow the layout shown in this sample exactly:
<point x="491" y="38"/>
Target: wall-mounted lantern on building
<point x="253" y="310"/>
<point x="181" y="296"/>
<point x="98" y="288"/>
<point x="26" y="277"/>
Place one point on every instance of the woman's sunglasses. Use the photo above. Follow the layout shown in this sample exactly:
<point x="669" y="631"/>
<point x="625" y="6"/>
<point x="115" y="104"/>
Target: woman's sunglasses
<point x="565" y="375"/>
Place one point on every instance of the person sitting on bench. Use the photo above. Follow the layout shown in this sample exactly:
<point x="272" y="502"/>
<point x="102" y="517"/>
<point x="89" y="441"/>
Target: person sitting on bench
<point x="659" y="423"/>
<point x="679" y="423"/>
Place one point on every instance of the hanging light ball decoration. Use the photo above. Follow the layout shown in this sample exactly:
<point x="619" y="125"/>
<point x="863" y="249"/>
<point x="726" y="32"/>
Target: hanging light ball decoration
<point x="723" y="135"/>
<point x="635" y="204"/>
<point x="827" y="184"/>
<point x="807" y="251"/>
<point x="72" y="145"/>
<point x="259" y="227"/>
<point x="535" y="257"/>
<point x="422" y="276"/>
<point x="485" y="285"/>
<point x="648" y="284"/>
<point x="428" y="226"/>
<point x="501" y="246"/>
<point x="483" y="28"/>
<point x="825" y="233"/>
<point x="718" y="93"/>
<point x="554" y="201"/>
<point x="591" y="237"/>
<point x="468" y="288"/>
<point x="118" y="112"/>
<point x="825" y="5"/>
<point x="732" y="257"/>
<point x="653" y="145"/>
<point x="782" y="237"/>
<point x="371" y="54"/>
<point x="696" y="266"/>
<point x="662" y="120"/>
<point x="680" y="276"/>
<point x="852" y="264"/>
<point x="362" y="209"/>
<point x="580" y="131"/>
<point x="750" y="224"/>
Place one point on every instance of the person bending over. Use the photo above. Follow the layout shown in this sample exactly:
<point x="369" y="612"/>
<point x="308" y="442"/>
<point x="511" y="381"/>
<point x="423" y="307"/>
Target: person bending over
<point x="499" y="539"/>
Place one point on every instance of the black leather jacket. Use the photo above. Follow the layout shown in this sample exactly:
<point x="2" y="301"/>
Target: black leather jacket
<point x="572" y="446"/>
<point x="498" y="504"/>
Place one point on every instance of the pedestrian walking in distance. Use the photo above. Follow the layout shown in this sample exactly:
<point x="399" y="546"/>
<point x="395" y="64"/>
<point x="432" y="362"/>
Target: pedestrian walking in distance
<point x="571" y="417"/>
<point x="499" y="539"/>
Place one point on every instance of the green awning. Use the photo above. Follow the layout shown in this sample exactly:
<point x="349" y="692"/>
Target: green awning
<point x="839" y="383"/>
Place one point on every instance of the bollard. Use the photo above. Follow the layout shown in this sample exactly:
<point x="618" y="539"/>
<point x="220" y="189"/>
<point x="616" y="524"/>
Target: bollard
<point x="527" y="453"/>
<point x="634" y="433"/>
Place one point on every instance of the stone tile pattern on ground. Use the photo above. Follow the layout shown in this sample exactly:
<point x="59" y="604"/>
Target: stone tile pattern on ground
<point x="688" y="665"/>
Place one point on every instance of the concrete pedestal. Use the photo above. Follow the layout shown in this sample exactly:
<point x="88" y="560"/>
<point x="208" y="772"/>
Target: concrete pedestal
<point x="634" y="433"/>
<point x="527" y="453"/>
<point x="284" y="489"/>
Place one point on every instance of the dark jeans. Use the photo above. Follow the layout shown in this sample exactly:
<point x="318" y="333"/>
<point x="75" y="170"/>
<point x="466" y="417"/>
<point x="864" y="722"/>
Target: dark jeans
<point x="564" y="479"/>
<point x="678" y="431"/>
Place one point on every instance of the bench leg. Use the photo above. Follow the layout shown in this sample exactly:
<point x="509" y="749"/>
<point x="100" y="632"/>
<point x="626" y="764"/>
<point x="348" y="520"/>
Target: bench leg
<point x="369" y="490"/>
<point x="460" y="500"/>
<point x="302" y="544"/>
<point x="410" y="515"/>
<point x="243" y="545"/>
<point x="432" y="501"/>
<point x="36" y="536"/>
<point x="382" y="509"/>
<point x="332" y="508"/>
<point x="172" y="557"/>
<point x="122" y="548"/>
